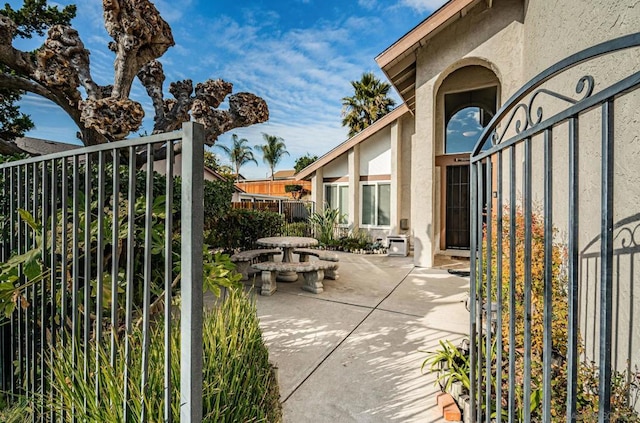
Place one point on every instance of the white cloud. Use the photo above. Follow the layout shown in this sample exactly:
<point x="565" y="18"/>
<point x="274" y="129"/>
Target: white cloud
<point x="172" y="12"/>
<point x="422" y="6"/>
<point x="368" y="4"/>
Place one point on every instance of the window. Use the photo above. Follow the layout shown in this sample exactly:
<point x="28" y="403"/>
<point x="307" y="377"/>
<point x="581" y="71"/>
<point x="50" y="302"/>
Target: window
<point x="466" y="115"/>
<point x="376" y="204"/>
<point x="337" y="197"/>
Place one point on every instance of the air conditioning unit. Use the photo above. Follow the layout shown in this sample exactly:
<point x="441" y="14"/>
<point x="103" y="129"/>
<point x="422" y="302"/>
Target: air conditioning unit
<point x="398" y="245"/>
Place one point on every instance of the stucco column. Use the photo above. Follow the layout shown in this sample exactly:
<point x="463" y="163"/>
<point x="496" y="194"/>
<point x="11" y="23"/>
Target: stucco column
<point x="317" y="191"/>
<point x="354" y="187"/>
<point x="396" y="176"/>
<point x="422" y="179"/>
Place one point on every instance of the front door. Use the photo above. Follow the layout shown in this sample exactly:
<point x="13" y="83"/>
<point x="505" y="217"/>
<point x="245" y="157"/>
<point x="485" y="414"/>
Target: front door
<point x="457" y="208"/>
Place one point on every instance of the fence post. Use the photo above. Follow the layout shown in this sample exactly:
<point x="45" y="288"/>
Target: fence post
<point x="192" y="221"/>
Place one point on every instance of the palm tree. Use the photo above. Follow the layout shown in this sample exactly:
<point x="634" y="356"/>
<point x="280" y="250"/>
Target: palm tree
<point x="369" y="103"/>
<point x="272" y="151"/>
<point x="239" y="154"/>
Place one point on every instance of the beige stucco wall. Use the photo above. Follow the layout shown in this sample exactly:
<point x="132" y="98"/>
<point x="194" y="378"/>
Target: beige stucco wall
<point x="554" y="31"/>
<point x="354" y="158"/>
<point x="375" y="157"/>
<point x="581" y="24"/>
<point x="337" y="168"/>
<point x="516" y="40"/>
<point x="375" y="154"/>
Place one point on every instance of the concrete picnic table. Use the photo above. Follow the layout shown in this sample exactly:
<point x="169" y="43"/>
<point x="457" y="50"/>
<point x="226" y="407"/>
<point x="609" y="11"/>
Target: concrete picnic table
<point x="287" y="243"/>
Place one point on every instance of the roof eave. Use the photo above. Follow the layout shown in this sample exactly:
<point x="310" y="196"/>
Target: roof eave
<point x="398" y="62"/>
<point x="387" y="119"/>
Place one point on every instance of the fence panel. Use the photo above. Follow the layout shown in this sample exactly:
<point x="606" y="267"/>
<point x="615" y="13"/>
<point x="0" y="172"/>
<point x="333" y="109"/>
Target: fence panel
<point x="88" y="276"/>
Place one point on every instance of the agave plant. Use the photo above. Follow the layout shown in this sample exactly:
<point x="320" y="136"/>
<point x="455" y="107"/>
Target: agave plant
<point x="324" y="224"/>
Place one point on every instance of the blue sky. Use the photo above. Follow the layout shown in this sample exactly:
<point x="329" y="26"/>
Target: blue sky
<point x="299" y="55"/>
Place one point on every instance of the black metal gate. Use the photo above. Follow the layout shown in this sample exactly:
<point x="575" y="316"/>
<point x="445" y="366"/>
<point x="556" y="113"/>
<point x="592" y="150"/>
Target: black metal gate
<point x="555" y="254"/>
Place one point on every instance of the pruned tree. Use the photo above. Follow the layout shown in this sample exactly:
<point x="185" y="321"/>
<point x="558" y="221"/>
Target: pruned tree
<point x="33" y="18"/>
<point x="60" y="71"/>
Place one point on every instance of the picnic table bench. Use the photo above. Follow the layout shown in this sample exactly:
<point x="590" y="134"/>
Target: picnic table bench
<point x="305" y="253"/>
<point x="312" y="272"/>
<point x="245" y="259"/>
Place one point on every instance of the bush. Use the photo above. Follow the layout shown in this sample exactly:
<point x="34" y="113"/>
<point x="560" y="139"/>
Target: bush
<point x="587" y="390"/>
<point x="20" y="412"/>
<point x="240" y="229"/>
<point x="297" y="229"/>
<point x="217" y="201"/>
<point x="324" y="224"/>
<point x="356" y="240"/>
<point x="239" y="382"/>
<point x="587" y="380"/>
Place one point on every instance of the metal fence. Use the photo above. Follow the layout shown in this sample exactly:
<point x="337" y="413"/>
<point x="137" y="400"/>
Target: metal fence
<point x="295" y="214"/>
<point x="552" y="275"/>
<point x="88" y="237"/>
<point x="292" y="210"/>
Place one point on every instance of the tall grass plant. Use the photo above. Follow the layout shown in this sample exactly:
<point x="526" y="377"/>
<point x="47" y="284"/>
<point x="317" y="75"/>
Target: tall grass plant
<point x="239" y="382"/>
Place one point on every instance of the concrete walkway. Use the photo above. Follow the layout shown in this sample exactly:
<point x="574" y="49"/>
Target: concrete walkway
<point x="353" y="353"/>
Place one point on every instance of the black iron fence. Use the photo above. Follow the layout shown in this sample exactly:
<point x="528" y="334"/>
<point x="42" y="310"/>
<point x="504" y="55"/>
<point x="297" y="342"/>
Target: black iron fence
<point x="554" y="297"/>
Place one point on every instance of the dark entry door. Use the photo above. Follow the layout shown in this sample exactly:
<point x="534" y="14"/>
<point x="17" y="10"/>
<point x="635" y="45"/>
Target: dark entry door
<point x="458" y="213"/>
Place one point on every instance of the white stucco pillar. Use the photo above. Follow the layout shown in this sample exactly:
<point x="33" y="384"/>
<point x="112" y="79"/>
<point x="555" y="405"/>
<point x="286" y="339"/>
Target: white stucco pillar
<point x="422" y="179"/>
<point x="317" y="191"/>
<point x="396" y="176"/>
<point x="354" y="187"/>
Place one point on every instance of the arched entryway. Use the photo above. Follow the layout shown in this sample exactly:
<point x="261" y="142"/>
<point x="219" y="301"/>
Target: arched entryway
<point x="466" y="101"/>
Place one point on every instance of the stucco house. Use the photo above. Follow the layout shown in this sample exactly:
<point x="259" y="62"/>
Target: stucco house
<point x="364" y="177"/>
<point x="408" y="173"/>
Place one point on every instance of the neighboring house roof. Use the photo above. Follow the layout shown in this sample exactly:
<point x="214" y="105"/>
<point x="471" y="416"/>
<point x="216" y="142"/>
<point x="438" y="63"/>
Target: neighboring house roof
<point x="398" y="62"/>
<point x="351" y="142"/>
<point x="284" y="174"/>
<point x="40" y="147"/>
<point x="219" y="177"/>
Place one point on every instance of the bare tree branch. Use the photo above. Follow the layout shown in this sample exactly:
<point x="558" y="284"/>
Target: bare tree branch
<point x="152" y="77"/>
<point x="58" y="69"/>
<point x="140" y="36"/>
<point x="17" y="60"/>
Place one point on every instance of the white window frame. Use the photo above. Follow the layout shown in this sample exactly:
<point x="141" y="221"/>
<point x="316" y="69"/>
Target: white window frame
<point x="345" y="223"/>
<point x="376" y="199"/>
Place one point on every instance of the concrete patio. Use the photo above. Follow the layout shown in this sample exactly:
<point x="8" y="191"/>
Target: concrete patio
<point x="353" y="353"/>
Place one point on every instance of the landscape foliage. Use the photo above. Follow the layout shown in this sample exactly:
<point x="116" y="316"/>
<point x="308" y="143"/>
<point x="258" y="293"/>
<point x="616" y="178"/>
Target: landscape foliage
<point x="450" y="363"/>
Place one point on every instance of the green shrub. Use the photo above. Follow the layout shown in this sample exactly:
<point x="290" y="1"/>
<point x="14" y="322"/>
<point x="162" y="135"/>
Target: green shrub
<point x="324" y="224"/>
<point x="587" y="380"/>
<point x="19" y="412"/>
<point x="451" y="363"/>
<point x="357" y="239"/>
<point x="239" y="382"/>
<point x="297" y="229"/>
<point x="240" y="229"/>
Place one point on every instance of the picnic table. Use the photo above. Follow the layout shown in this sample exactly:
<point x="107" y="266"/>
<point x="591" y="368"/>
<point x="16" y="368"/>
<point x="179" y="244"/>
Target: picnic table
<point x="287" y="244"/>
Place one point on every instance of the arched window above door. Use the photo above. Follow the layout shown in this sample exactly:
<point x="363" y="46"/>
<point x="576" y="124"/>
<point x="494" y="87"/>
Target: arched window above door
<point x="466" y="114"/>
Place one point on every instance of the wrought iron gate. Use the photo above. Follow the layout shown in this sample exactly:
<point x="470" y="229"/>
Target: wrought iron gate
<point x="555" y="260"/>
<point x="89" y="240"/>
